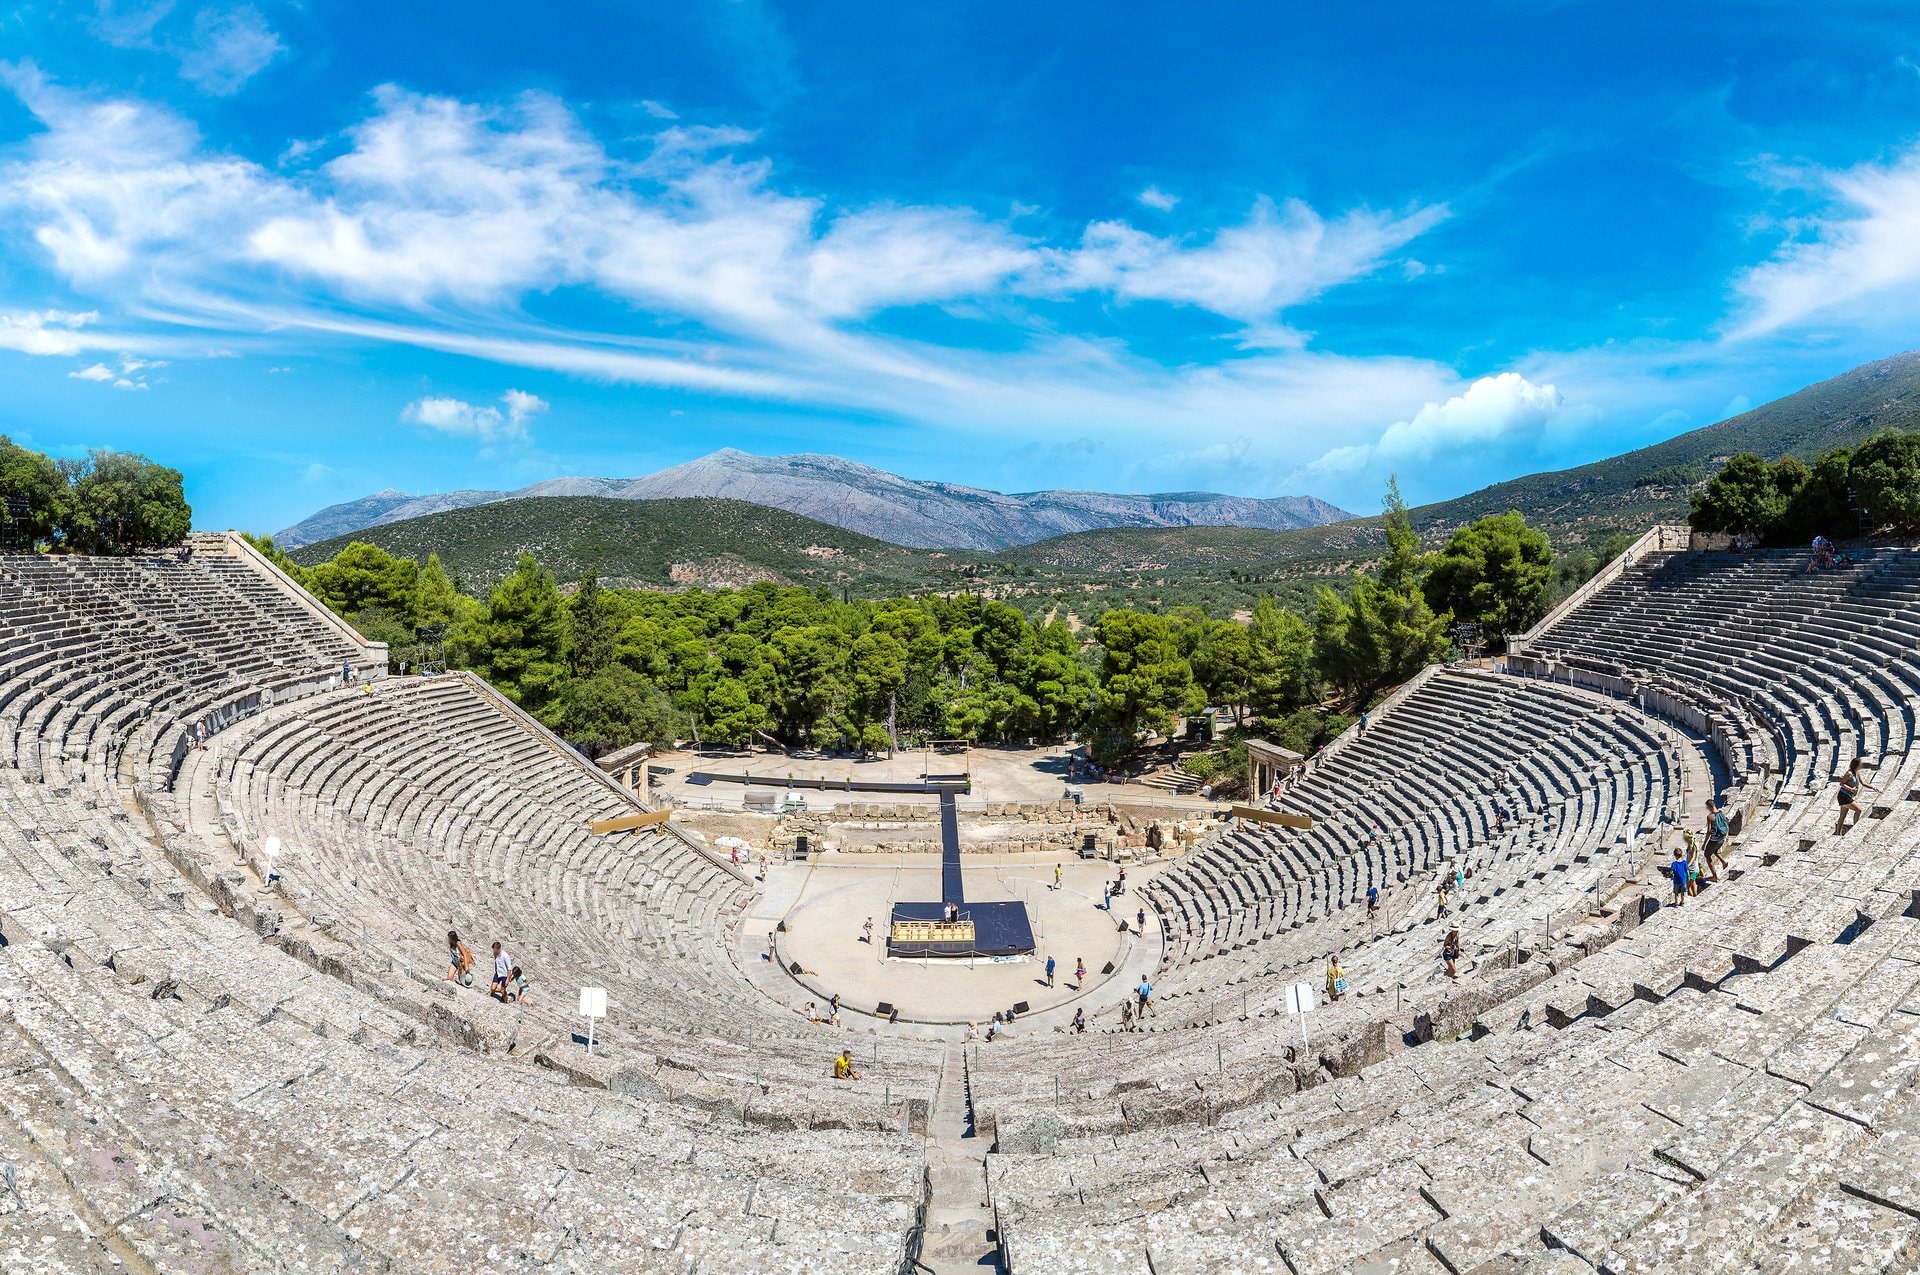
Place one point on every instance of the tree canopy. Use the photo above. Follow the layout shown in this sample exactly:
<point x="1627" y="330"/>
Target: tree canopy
<point x="106" y="502"/>
<point x="1493" y="572"/>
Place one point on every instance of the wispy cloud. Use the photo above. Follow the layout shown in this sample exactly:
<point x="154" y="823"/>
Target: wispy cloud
<point x="1857" y="259"/>
<point x="228" y="48"/>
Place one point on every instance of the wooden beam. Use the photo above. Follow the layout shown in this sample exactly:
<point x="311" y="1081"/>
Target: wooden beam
<point x="626" y="823"/>
<point x="1285" y="818"/>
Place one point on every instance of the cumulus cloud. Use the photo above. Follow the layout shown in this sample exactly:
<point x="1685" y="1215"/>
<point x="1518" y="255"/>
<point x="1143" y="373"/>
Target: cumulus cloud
<point x="1158" y="200"/>
<point x="1494" y="411"/>
<point x="486" y="425"/>
<point x="98" y="372"/>
<point x="1858" y="260"/>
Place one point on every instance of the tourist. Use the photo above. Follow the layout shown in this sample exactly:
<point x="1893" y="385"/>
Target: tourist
<point x="993" y="1029"/>
<point x="1049" y="971"/>
<point x="812" y="1012"/>
<point x="1717" y="830"/>
<point x="1851" y="782"/>
<point x="1450" y="952"/>
<point x="833" y="1003"/>
<point x="843" y="1066"/>
<point x="1056" y="876"/>
<point x="1079" y="973"/>
<point x="1126" y="1015"/>
<point x="1145" y="993"/>
<point x="866" y="932"/>
<point x="1106" y="895"/>
<point x="1336" y="979"/>
<point x="1678" y="870"/>
<point x="1140" y="921"/>
<point x="517" y="986"/>
<point x="1373" y="899"/>
<point x="1080" y="1021"/>
<point x="769" y="955"/>
<point x="502" y="971"/>
<point x="1440" y="899"/>
<point x="459" y="961"/>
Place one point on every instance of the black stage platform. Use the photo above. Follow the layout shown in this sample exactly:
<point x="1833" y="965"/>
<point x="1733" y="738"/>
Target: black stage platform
<point x="999" y="929"/>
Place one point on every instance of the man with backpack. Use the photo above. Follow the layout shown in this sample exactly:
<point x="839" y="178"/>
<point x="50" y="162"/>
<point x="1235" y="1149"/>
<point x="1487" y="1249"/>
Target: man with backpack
<point x="1717" y="830"/>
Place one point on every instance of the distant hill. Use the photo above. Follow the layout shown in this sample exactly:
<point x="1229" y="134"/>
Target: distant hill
<point x="680" y="542"/>
<point x="1576" y="507"/>
<point x="650" y="544"/>
<point x="859" y="498"/>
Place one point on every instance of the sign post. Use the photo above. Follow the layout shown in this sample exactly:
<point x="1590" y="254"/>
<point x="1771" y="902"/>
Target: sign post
<point x="1299" y="1001"/>
<point x="593" y="1005"/>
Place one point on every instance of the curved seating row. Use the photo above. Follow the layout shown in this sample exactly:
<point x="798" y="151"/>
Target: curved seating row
<point x="206" y="1069"/>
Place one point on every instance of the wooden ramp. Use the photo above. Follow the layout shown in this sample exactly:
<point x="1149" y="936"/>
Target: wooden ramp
<point x="1285" y="818"/>
<point x="626" y="823"/>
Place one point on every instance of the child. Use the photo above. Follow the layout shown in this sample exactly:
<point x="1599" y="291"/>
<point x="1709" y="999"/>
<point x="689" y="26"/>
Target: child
<point x="1678" y="869"/>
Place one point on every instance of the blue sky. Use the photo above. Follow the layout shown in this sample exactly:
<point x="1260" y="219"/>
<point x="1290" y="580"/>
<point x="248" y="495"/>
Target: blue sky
<point x="304" y="252"/>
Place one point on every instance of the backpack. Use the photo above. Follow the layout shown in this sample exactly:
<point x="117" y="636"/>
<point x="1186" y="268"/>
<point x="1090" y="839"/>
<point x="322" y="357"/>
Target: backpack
<point x="1719" y="824"/>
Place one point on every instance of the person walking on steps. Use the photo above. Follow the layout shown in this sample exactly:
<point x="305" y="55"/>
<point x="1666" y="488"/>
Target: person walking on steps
<point x="1049" y="971"/>
<point x="1678" y="870"/>
<point x="1718" y="830"/>
<point x="459" y="961"/>
<point x="1145" y="992"/>
<point x="1851" y="782"/>
<point x="1336" y="979"/>
<point x="1450" y="952"/>
<point x="1079" y="973"/>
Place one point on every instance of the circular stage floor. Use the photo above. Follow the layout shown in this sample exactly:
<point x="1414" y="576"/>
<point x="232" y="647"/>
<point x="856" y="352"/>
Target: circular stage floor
<point x="837" y="895"/>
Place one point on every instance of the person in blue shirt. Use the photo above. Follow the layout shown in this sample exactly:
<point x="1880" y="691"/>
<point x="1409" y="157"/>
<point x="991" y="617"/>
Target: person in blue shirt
<point x="1146" y="999"/>
<point x="1678" y="868"/>
<point x="1049" y="971"/>
<point x="1373" y="899"/>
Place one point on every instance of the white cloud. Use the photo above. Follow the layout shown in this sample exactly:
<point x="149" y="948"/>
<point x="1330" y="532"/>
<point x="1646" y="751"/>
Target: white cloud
<point x="658" y="110"/>
<point x="1158" y="200"/>
<point x="1280" y="256"/>
<point x="1494" y="412"/>
<point x="128" y="377"/>
<point x="44" y="331"/>
<point x="1492" y="408"/>
<point x="1859" y="262"/>
<point x="436" y="219"/>
<point x="229" y="47"/>
<point x="485" y="424"/>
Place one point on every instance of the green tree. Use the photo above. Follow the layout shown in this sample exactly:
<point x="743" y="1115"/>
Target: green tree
<point x="1742" y="497"/>
<point x="732" y="715"/>
<point x="122" y="503"/>
<point x="1886" y="476"/>
<point x="1387" y="631"/>
<point x="590" y="628"/>
<point x="1144" y="680"/>
<point x="364" y="577"/>
<point x="876" y="669"/>
<point x="34" y="481"/>
<point x="1493" y="572"/>
<point x="436" y="603"/>
<point x="524" y="638"/>
<point x="1820" y="505"/>
<point x="1282" y="659"/>
<point x="615" y="707"/>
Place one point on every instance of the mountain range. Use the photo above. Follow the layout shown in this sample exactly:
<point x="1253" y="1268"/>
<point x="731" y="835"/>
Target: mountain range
<point x="683" y="542"/>
<point x="857" y="498"/>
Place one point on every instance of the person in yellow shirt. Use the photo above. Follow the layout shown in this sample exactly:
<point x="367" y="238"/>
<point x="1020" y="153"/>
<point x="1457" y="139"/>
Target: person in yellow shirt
<point x="843" y="1066"/>
<point x="1336" y="979"/>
